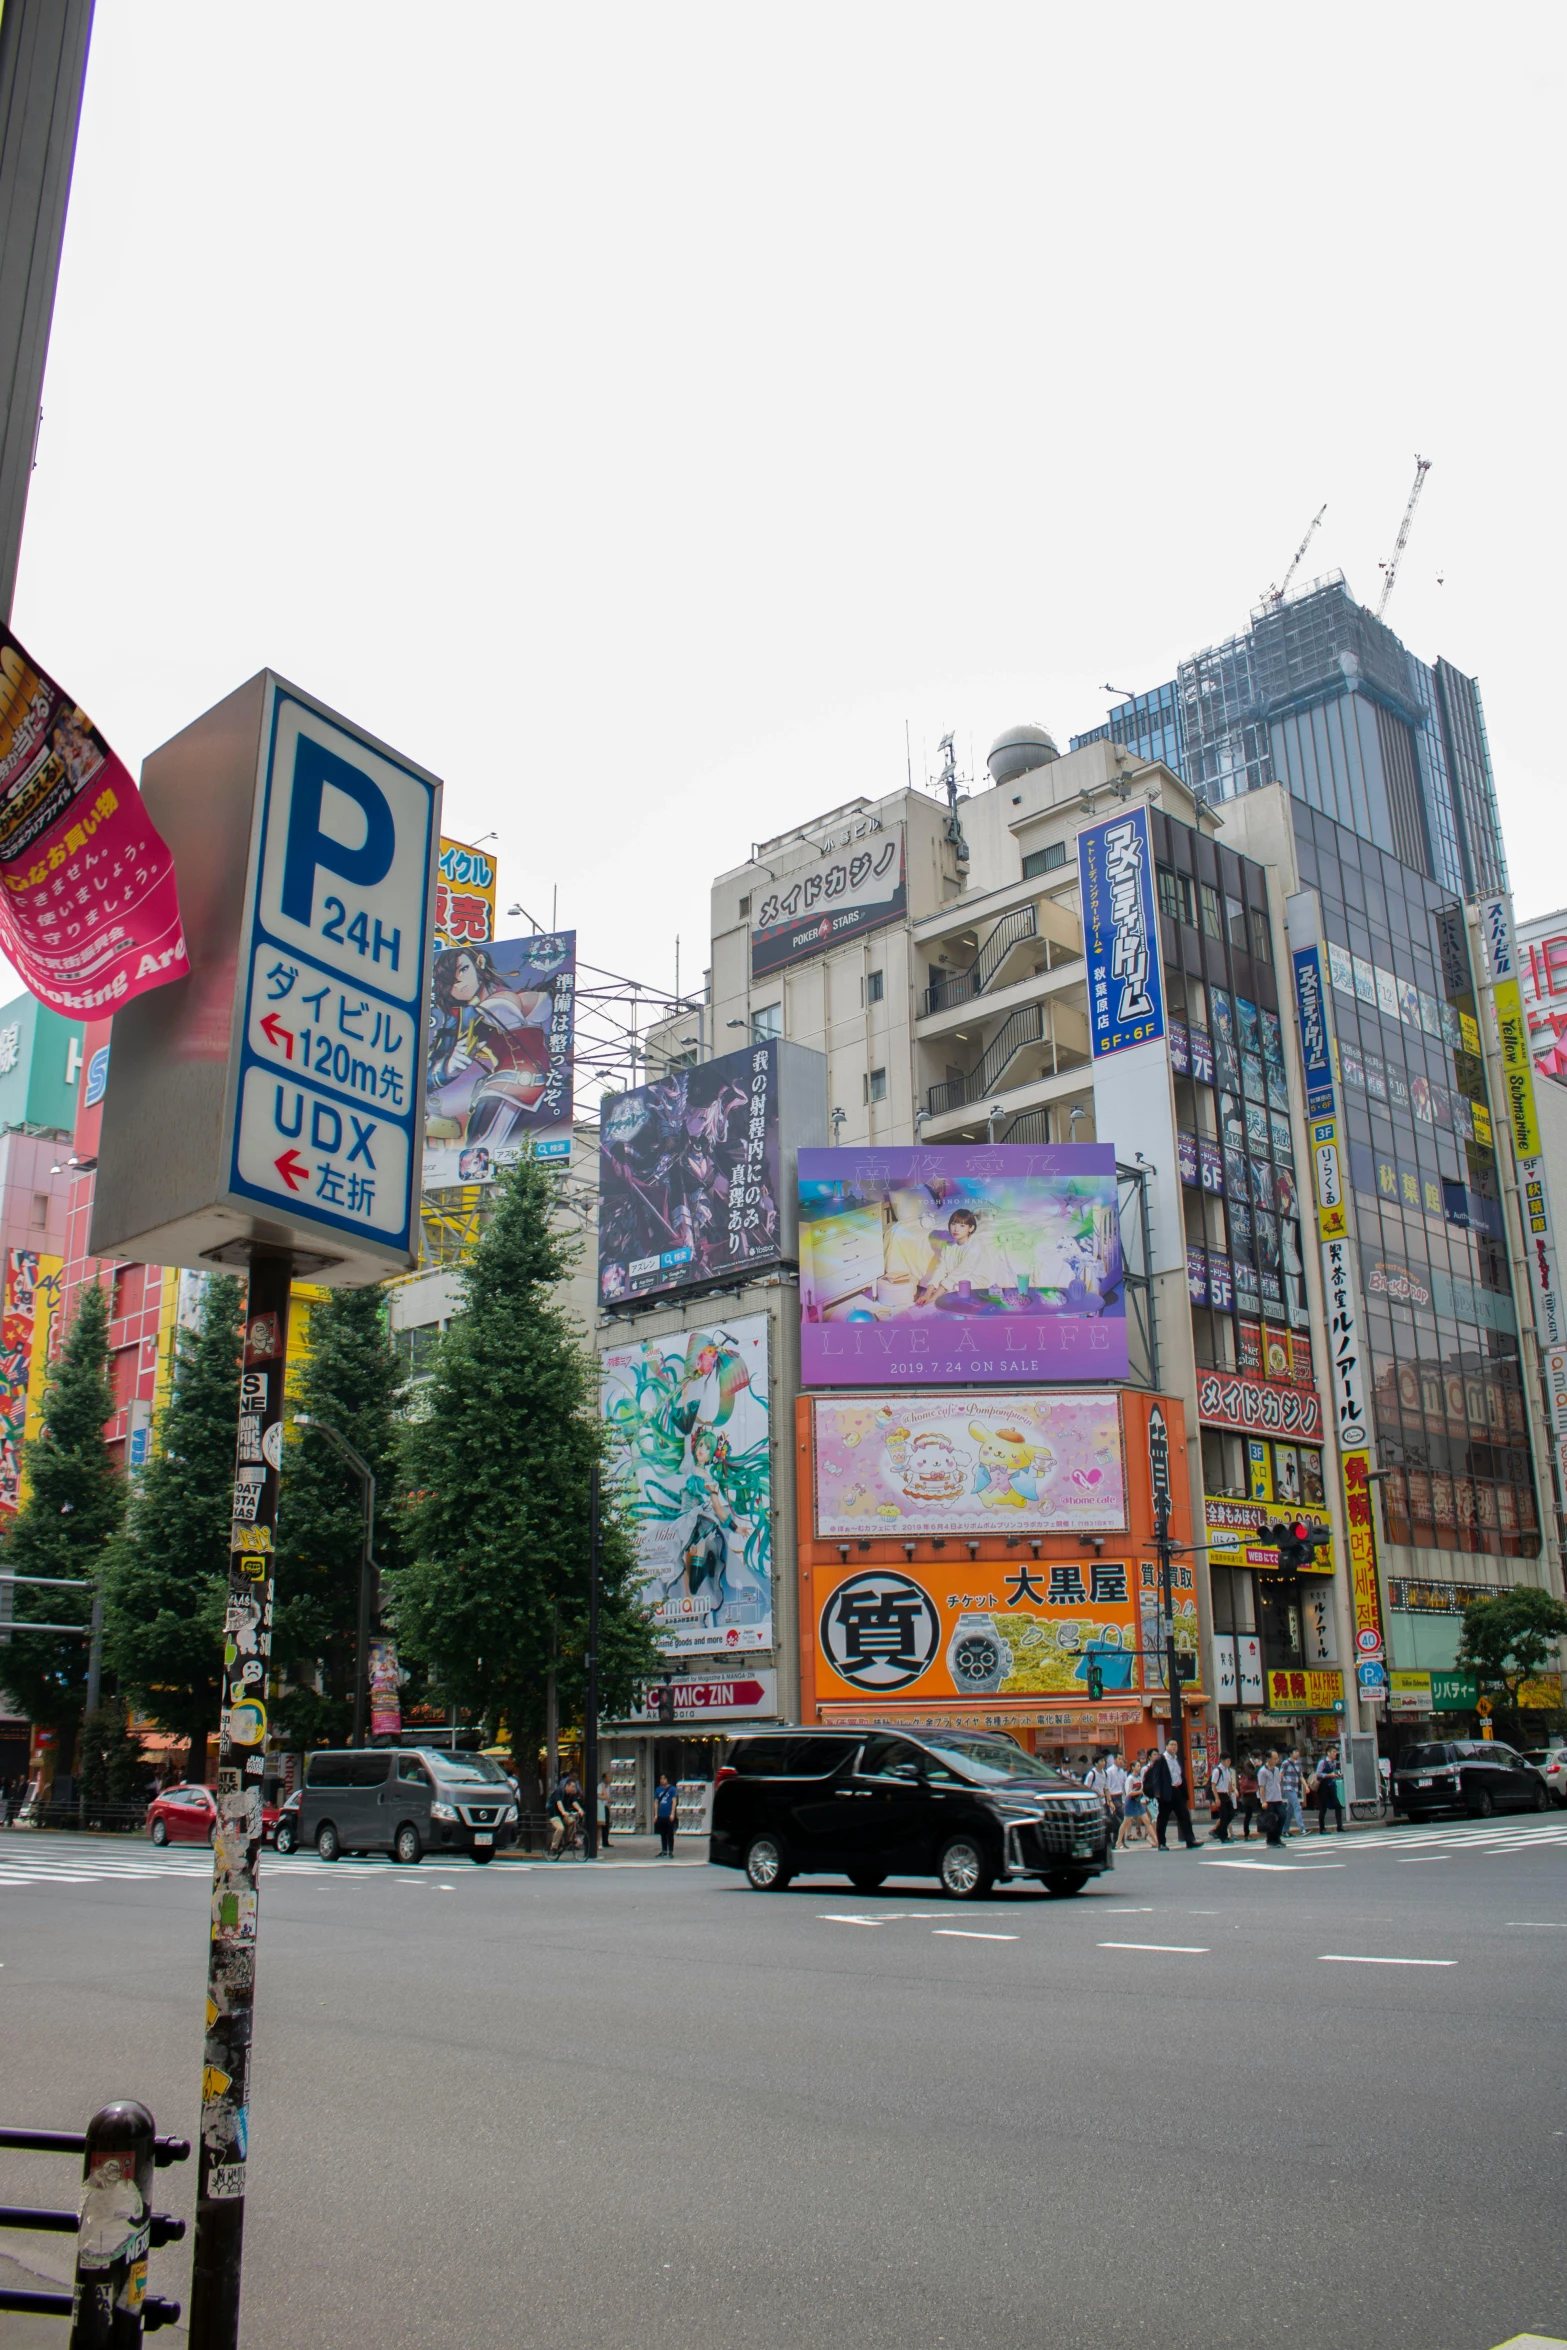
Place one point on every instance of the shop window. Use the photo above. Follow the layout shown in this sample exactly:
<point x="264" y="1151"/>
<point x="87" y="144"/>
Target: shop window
<point x="1175" y="895"/>
<point x="1224" y="1463"/>
<point x="1212" y="915"/>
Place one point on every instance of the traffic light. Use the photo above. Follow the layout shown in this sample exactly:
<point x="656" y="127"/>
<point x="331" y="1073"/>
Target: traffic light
<point x="1096" y="1679"/>
<point x="1298" y="1542"/>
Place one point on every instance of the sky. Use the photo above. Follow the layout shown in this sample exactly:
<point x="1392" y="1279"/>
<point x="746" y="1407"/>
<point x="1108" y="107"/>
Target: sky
<point x="654" y="420"/>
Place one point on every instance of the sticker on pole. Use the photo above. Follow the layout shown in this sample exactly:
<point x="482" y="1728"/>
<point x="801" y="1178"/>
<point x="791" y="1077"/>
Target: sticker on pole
<point x="330" y="1074"/>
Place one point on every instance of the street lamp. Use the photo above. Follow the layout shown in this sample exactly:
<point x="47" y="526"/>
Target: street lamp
<point x="366" y="1475"/>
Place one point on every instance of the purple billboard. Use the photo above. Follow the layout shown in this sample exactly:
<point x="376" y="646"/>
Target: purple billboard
<point x="689" y="1178"/>
<point x="962" y="1265"/>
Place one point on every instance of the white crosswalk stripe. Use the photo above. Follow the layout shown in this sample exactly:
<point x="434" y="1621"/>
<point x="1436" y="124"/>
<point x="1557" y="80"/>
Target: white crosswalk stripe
<point x="28" y="1860"/>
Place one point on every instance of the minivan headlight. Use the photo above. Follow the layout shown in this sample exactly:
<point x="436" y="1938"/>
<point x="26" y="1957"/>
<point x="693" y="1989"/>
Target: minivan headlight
<point x="510" y="1812"/>
<point x="443" y="1811"/>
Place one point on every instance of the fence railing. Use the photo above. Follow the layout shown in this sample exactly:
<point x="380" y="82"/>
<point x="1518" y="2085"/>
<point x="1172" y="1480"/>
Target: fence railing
<point x="115" y="2227"/>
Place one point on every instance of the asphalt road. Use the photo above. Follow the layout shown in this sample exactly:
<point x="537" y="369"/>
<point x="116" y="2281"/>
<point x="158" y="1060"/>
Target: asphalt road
<point x="640" y="2105"/>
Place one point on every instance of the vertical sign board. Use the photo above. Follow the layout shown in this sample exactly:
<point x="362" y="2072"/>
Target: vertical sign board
<point x="1346" y="1369"/>
<point x="1550" y="1322"/>
<point x="332" y="965"/>
<point x="1120" y="932"/>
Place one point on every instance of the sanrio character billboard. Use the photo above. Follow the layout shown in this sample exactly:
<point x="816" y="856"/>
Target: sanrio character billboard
<point x="969" y="1464"/>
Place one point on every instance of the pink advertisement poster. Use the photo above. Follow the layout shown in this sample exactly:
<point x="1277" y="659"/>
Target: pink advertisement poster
<point x="88" y="914"/>
<point x="966" y="1464"/>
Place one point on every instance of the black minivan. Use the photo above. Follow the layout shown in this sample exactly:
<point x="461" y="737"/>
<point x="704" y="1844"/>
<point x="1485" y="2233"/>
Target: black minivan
<point x="1475" y="1775"/>
<point x="969" y="1809"/>
<point x="406" y="1801"/>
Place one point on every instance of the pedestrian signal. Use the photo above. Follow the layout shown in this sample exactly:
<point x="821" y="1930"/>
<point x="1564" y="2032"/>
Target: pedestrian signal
<point x="1096" y="1680"/>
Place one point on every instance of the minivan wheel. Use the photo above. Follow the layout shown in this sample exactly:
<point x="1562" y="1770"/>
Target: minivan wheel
<point x="1541" y="1800"/>
<point x="867" y="1880"/>
<point x="406" y="1846"/>
<point x="283" y="1841"/>
<point x="480" y="1859"/>
<point x="160" y="1831"/>
<point x="965" y="1872"/>
<point x="1481" y="1806"/>
<point x="766" y="1866"/>
<point x="1065" y="1881"/>
<point x="327" y="1844"/>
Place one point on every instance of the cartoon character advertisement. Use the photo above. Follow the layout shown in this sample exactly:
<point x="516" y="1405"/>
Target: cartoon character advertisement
<point x="688" y="1177"/>
<point x="1025" y="1628"/>
<point x="1004" y="1464"/>
<point x="21" y="1292"/>
<point x="961" y="1264"/>
<point x="499" y="1088"/>
<point x="689" y="1424"/>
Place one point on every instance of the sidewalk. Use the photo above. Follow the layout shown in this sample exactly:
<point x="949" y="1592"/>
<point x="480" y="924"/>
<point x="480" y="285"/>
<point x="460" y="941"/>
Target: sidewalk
<point x="624" y="1851"/>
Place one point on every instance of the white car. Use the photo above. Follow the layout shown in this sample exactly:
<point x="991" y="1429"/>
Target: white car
<point x="1551" y="1762"/>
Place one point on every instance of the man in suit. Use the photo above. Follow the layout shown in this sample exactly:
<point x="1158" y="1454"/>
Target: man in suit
<point x="1166" y="1783"/>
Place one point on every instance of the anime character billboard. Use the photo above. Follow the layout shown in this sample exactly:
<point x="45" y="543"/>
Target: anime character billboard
<point x="689" y="1177"/>
<point x="921" y="1266"/>
<point x="688" y="1419"/>
<point x="1001" y="1464"/>
<point x="501" y="1032"/>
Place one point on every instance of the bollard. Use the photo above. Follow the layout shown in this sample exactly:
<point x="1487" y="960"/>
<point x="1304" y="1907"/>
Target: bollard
<point x="115" y="2228"/>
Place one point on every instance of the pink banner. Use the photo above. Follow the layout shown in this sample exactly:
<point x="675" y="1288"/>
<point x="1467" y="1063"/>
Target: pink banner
<point x="89" y="913"/>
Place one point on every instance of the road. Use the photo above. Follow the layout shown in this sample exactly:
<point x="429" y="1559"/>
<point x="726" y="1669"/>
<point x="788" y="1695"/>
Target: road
<point x="1210" y="2103"/>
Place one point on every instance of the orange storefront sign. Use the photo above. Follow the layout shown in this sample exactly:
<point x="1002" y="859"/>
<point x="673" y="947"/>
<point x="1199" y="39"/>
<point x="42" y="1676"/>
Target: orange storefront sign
<point x="1017" y="1626"/>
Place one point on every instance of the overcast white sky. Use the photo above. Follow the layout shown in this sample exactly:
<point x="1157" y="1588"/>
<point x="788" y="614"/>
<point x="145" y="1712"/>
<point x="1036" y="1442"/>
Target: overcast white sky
<point x="637" y="414"/>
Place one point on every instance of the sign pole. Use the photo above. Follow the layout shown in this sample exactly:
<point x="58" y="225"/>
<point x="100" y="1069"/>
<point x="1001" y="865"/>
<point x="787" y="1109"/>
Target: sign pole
<point x="231" y="1951"/>
<point x="590" y="1714"/>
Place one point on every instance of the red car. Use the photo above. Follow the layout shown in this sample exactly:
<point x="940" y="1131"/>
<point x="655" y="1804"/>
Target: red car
<point x="189" y="1815"/>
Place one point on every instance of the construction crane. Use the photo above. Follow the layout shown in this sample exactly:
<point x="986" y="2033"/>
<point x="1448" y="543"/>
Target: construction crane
<point x="1390" y="567"/>
<point x="1276" y="595"/>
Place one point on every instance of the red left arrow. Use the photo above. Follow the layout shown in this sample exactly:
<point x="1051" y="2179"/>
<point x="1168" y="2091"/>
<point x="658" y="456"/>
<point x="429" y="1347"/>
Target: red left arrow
<point x="293" y="1170"/>
<point x="273" y="1029"/>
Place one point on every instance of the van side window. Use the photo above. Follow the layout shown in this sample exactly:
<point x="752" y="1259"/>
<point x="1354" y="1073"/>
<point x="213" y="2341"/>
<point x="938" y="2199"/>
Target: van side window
<point x="762" y="1758"/>
<point x="891" y="1758"/>
<point x="411" y="1771"/>
<point x="331" y="1770"/>
<point x="371" y="1767"/>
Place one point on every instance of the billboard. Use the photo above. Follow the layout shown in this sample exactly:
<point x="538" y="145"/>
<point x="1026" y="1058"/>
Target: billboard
<point x="1024" y="1628"/>
<point x="1120" y="932"/>
<point x="16" y="1350"/>
<point x="859" y="885"/>
<point x="690" y="1446"/>
<point x="912" y="1465"/>
<point x="464" y="896"/>
<point x="500" y="1068"/>
<point x="689" y="1177"/>
<point x="922" y="1266"/>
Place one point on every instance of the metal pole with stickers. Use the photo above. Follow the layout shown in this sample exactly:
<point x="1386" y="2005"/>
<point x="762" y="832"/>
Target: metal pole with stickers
<point x="264" y="1115"/>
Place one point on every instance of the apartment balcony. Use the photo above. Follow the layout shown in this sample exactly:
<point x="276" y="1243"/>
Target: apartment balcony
<point x="1038" y="1047"/>
<point x="1012" y="950"/>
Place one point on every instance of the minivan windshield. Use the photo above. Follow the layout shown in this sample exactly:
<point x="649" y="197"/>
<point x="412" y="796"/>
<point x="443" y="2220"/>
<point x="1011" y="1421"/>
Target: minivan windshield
<point x="990" y="1762"/>
<point x="1422" y="1758"/>
<point x="465" y="1768"/>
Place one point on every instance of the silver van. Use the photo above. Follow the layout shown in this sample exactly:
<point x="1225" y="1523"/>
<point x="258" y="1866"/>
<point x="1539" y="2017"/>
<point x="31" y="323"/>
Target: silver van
<point x="406" y="1801"/>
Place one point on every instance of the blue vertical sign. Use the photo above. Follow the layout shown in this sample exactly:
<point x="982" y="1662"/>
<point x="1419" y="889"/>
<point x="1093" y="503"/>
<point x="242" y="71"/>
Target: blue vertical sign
<point x="1311" y="1011"/>
<point x="328" y="1084"/>
<point x="1120" y="932"/>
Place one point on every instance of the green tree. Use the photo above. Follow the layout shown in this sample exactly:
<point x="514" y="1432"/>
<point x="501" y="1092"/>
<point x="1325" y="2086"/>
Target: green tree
<point x="498" y="1463"/>
<point x="350" y="1380"/>
<point x="1511" y="1638"/>
<point x="111" y="1759"/>
<point x="74" y="1503"/>
<point x="166" y="1584"/>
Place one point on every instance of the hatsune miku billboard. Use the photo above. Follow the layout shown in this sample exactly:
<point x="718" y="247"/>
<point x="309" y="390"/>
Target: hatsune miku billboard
<point x="959" y="1265"/>
<point x="688" y="1416"/>
<point x="912" y="1465"/>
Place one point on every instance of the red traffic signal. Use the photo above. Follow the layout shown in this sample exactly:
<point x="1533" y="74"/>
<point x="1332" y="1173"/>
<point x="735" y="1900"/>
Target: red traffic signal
<point x="1297" y="1542"/>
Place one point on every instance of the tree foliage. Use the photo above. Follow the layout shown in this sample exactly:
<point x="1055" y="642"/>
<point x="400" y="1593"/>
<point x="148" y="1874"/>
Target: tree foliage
<point x="166" y="1583"/>
<point x="74" y="1504"/>
<point x="1511" y="1638"/>
<point x="111" y="1760"/>
<point x="349" y="1379"/>
<point x="498" y="1461"/>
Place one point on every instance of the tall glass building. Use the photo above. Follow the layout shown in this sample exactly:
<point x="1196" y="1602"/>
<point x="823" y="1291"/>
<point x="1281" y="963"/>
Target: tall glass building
<point x="1319" y="696"/>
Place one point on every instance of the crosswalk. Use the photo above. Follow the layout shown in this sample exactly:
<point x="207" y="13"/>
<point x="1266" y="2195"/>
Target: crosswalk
<point x="1525" y="1831"/>
<point x="38" y="1860"/>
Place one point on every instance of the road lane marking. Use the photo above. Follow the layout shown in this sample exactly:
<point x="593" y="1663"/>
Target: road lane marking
<point x="1176" y="1949"/>
<point x="1351" y="1958"/>
<point x="1142" y="1909"/>
<point x="838" y="1917"/>
<point x="1272" y="1868"/>
<point x="967" y="1934"/>
<point x="1553" y="1925"/>
<point x="1416" y="1860"/>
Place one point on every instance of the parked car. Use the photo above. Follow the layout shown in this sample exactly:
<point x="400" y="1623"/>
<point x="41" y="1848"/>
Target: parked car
<point x="1551" y="1763"/>
<point x="189" y="1815"/>
<point x="283" y="1831"/>
<point x="971" y="1811"/>
<point x="406" y="1801"/>
<point x="183" y="1815"/>
<point x="1473" y="1775"/>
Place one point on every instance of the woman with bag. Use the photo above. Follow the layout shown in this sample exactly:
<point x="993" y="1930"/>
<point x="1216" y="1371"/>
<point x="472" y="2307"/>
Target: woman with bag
<point x="1136" y="1826"/>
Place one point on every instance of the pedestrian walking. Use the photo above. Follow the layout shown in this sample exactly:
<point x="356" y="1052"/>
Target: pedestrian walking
<point x="1165" y="1781"/>
<point x="1250" y="1805"/>
<point x="1270" y="1786"/>
<point x="1136" y="1827"/>
<point x="1115" y="1791"/>
<point x="665" y="1814"/>
<point x="603" y="1801"/>
<point x="1221" y="1786"/>
<point x="1324" y="1789"/>
<point x="1290" y="1775"/>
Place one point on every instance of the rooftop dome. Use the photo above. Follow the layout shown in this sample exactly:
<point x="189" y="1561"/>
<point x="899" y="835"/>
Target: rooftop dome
<point x="1018" y="749"/>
